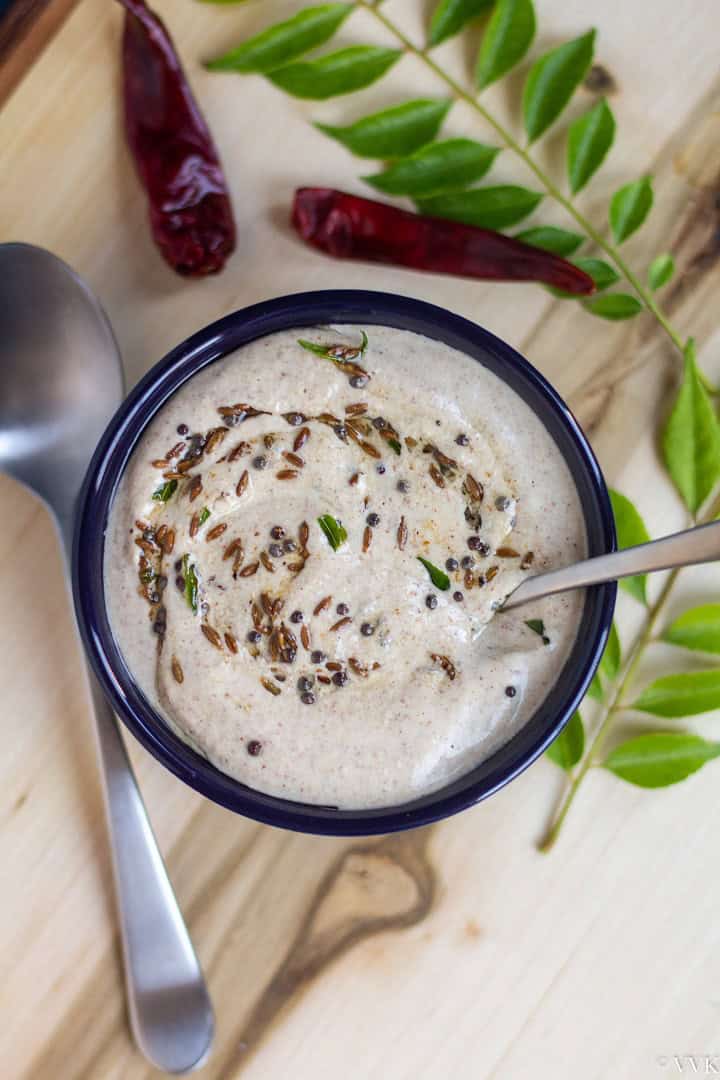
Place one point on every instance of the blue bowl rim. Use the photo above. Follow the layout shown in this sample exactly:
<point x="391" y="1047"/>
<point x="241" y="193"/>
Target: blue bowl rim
<point x="325" y="307"/>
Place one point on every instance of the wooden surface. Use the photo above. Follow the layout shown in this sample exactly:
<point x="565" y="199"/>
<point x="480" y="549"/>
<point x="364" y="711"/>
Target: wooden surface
<point x="458" y="950"/>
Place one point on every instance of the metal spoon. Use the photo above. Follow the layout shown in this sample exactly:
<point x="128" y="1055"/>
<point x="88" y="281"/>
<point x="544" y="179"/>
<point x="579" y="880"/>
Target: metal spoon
<point x="699" y="545"/>
<point x="60" y="382"/>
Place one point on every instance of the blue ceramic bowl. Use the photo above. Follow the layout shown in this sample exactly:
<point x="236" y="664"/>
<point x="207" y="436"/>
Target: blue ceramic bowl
<point x="110" y="459"/>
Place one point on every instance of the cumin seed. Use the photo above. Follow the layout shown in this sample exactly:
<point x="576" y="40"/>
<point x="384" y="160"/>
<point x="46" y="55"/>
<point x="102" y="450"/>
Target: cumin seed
<point x="216" y="531"/>
<point x="293" y="459"/>
<point x="287" y="643"/>
<point x="270" y="686"/>
<point x="239" y="450"/>
<point x="437" y="476"/>
<point x="301" y="438"/>
<point x="445" y="663"/>
<point x="387" y="432"/>
<point x="324" y="603"/>
<point x="287" y="474"/>
<point x="402" y="534"/>
<point x="249" y="570"/>
<point x="242" y="483"/>
<point x="354" y="435"/>
<point x="294" y="418"/>
<point x="177" y="670"/>
<point x="231" y="642"/>
<point x="267" y="562"/>
<point x="474" y="489"/>
<point x="367" y="538"/>
<point x="305" y="638"/>
<point x="356" y="410"/>
<point x="444" y="461"/>
<point x="233" y="547"/>
<point x="212" y="635"/>
<point x="340" y="624"/>
<point x="369" y="449"/>
<point x="239" y="412"/>
<point x="214" y="439"/>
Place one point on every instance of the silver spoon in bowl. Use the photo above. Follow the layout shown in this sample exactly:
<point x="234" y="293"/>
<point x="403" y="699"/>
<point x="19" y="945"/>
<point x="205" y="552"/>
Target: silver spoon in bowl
<point x="60" y="382"/>
<point x="698" y="545"/>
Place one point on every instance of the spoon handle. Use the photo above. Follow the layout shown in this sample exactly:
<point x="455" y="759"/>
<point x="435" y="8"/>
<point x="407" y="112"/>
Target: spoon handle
<point x="698" y="545"/>
<point x="169" y="1008"/>
<point x="170" y="1011"/>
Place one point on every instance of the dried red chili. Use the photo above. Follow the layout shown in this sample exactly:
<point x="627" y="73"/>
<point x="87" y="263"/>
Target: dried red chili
<point x="190" y="211"/>
<point x="350" y="227"/>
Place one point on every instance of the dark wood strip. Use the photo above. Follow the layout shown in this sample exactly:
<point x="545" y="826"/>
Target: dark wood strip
<point x="25" y="29"/>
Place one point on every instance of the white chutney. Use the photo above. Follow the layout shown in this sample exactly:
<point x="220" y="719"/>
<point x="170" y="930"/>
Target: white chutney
<point x="396" y="685"/>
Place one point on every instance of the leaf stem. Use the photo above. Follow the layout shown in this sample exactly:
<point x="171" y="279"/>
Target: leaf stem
<point x="615" y="705"/>
<point x="551" y="188"/>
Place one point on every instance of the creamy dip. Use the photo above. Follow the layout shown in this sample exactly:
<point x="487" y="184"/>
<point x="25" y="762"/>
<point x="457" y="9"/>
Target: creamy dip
<point x="322" y="661"/>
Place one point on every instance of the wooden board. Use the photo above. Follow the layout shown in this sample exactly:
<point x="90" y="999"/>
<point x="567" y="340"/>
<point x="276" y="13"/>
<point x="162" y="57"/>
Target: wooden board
<point x="454" y="951"/>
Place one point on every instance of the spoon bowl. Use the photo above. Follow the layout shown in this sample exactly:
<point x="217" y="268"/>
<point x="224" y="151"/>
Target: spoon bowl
<point x="53" y="406"/>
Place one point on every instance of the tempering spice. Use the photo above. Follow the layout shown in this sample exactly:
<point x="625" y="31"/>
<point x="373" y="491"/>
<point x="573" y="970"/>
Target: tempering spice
<point x="350" y="227"/>
<point x="267" y="640"/>
<point x="175" y="157"/>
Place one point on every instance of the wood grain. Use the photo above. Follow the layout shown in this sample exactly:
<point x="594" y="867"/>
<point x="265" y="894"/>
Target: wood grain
<point x="454" y="951"/>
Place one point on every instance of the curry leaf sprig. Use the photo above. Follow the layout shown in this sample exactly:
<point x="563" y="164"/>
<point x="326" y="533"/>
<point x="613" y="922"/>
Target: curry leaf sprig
<point x="441" y="174"/>
<point x="446" y="176"/>
<point x="656" y="757"/>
